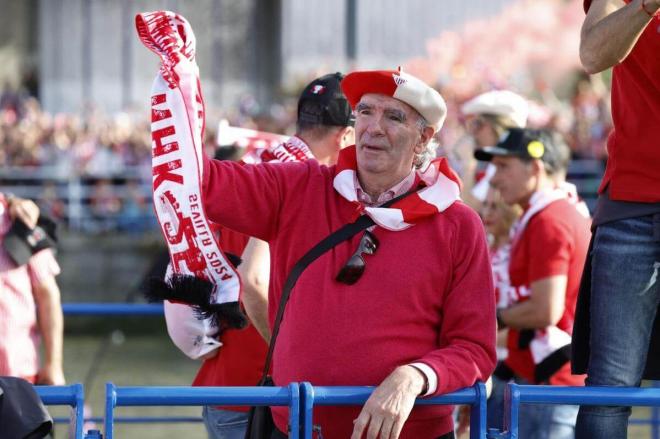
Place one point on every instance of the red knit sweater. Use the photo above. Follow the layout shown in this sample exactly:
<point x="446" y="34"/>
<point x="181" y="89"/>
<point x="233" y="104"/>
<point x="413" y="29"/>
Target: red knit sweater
<point x="426" y="294"/>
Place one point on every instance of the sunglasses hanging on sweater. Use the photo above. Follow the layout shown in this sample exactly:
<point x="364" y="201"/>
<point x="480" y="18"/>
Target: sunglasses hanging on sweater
<point x="354" y="267"/>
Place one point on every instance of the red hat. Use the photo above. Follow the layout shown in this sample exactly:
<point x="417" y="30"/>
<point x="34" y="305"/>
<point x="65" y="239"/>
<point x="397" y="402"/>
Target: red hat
<point x="399" y="85"/>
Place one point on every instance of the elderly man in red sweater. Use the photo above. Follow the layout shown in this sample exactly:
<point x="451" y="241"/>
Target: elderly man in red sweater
<point x="418" y="318"/>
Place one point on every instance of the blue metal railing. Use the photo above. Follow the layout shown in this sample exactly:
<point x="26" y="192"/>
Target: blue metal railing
<point x="72" y="396"/>
<point x="536" y="394"/>
<point x="320" y="395"/>
<point x="185" y="396"/>
<point x="474" y="396"/>
<point x="302" y="398"/>
<point x="113" y="309"/>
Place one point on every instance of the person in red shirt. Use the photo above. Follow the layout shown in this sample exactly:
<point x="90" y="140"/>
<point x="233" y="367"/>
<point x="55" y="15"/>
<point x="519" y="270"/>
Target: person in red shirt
<point x="420" y="317"/>
<point x="617" y="329"/>
<point x="549" y="244"/>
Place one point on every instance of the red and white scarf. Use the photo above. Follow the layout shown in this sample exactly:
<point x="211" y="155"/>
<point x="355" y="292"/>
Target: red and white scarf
<point x="442" y="189"/>
<point x="292" y="150"/>
<point x="177" y="129"/>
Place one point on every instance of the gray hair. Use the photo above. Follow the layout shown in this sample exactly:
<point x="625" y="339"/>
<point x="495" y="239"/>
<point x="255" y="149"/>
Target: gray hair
<point x="428" y="154"/>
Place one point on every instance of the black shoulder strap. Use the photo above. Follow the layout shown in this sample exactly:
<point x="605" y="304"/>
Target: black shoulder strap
<point x="342" y="234"/>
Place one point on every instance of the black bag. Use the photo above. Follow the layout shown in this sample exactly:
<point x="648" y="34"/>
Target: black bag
<point x="22" y="414"/>
<point x="260" y="418"/>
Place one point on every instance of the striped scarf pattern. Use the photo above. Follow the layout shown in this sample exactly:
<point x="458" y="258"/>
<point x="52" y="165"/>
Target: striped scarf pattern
<point x="441" y="190"/>
<point x="177" y="125"/>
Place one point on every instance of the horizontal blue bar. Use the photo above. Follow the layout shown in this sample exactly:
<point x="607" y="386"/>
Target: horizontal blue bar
<point x="122" y="309"/>
<point x="60" y="395"/>
<point x="345" y="395"/>
<point x="138" y="419"/>
<point x="170" y="396"/>
<point x="611" y="396"/>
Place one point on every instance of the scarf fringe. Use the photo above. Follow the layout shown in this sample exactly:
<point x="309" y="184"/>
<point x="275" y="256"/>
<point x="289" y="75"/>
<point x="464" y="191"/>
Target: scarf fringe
<point x="197" y="293"/>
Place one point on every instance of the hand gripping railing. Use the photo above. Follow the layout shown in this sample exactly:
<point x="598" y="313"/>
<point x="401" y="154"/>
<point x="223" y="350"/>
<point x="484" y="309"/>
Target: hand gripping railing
<point x="516" y="394"/>
<point x="474" y="396"/>
<point x="186" y="396"/>
<point x="72" y="396"/>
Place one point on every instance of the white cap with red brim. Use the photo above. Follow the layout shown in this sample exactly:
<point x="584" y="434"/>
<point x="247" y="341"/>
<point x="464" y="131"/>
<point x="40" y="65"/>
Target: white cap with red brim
<point x="399" y="85"/>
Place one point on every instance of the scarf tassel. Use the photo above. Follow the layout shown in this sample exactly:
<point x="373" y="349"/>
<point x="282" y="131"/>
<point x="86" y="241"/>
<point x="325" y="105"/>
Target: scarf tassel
<point x="197" y="293"/>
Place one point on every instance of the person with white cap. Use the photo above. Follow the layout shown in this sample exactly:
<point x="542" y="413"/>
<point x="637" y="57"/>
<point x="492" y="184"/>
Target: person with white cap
<point x="488" y="116"/>
<point x="411" y="311"/>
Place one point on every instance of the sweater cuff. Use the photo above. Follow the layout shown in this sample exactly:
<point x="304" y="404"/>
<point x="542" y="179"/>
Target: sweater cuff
<point x="431" y="377"/>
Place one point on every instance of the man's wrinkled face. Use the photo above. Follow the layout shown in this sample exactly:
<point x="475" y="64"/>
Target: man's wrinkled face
<point x="388" y="135"/>
<point x="514" y="178"/>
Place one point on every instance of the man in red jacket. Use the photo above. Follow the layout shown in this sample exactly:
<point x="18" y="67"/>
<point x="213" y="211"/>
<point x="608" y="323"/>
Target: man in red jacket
<point x="417" y="317"/>
<point x="617" y="329"/>
<point x="548" y="246"/>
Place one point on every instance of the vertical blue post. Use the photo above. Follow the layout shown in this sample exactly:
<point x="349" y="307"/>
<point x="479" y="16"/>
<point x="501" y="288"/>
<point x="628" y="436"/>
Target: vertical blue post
<point x="294" y="410"/>
<point x="511" y="410"/>
<point x="110" y="402"/>
<point x="79" y="409"/>
<point x="478" y="413"/>
<point x="307" y="408"/>
<point x="655" y="417"/>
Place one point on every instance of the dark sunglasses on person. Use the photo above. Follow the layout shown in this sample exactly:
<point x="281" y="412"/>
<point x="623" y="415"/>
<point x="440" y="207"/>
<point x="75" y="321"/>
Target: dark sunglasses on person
<point x="354" y="267"/>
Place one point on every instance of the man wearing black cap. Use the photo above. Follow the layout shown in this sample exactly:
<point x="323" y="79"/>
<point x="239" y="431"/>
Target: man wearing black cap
<point x="324" y="126"/>
<point x="548" y="246"/>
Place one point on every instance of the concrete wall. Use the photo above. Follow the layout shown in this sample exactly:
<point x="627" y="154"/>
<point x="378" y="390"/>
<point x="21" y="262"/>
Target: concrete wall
<point x="105" y="267"/>
<point x="18" y="45"/>
<point x="89" y="51"/>
<point x="388" y="32"/>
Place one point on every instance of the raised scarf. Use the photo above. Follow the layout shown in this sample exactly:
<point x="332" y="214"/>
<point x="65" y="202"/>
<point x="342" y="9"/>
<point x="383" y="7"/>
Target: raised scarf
<point x="441" y="189"/>
<point x="202" y="275"/>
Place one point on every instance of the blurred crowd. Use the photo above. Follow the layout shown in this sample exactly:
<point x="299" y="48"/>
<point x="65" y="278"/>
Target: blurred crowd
<point x="111" y="153"/>
<point x="99" y="145"/>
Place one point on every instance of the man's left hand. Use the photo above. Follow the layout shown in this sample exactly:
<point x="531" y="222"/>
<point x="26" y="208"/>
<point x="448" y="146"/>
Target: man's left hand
<point x="389" y="405"/>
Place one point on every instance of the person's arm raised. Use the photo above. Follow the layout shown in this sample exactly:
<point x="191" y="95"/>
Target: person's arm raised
<point x="611" y="30"/>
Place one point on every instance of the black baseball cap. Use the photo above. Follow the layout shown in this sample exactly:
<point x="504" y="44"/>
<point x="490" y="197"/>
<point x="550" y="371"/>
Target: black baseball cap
<point x="523" y="143"/>
<point x="328" y="106"/>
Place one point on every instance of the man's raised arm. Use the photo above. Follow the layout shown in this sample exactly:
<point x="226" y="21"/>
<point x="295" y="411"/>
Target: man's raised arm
<point x="611" y="29"/>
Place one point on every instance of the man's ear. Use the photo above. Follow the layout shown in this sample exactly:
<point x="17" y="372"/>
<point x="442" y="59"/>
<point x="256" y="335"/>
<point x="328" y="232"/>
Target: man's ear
<point x="425" y="137"/>
<point x="538" y="167"/>
<point x="345" y="137"/>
